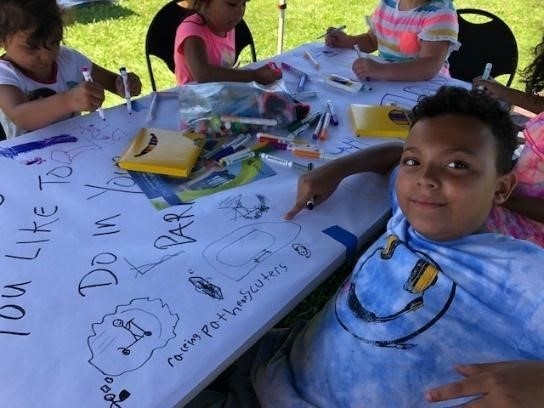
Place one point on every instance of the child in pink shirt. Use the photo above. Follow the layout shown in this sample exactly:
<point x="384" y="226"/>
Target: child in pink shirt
<point x="415" y="37"/>
<point x="204" y="47"/>
<point x="522" y="215"/>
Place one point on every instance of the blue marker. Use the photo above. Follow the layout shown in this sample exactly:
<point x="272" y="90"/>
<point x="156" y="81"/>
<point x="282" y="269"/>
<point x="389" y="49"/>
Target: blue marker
<point x="231" y="147"/>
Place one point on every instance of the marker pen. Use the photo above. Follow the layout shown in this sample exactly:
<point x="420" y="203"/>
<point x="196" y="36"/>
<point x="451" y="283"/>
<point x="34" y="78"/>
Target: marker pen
<point x="325" y="126"/>
<point x="301" y="82"/>
<point x="487" y="70"/>
<point x="334" y="118"/>
<point x="284" y="162"/>
<point x="277" y="144"/>
<point x="266" y="136"/>
<point x="310" y="204"/>
<point x="294" y="126"/>
<point x="305" y="124"/>
<point x="87" y="77"/>
<point x="343" y="27"/>
<point x="236" y="158"/>
<point x="358" y="51"/>
<point x="311" y="58"/>
<point x="315" y="154"/>
<point x="213" y="152"/>
<point x="248" y="120"/>
<point x="360" y="55"/>
<point x="291" y="68"/>
<point x="231" y="147"/>
<point x="317" y="129"/>
<point x="152" y="108"/>
<point x="304" y="95"/>
<point x="124" y="77"/>
<point x="245" y="153"/>
<point x="486" y="74"/>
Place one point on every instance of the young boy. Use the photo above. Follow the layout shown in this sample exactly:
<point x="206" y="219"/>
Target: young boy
<point x="435" y="290"/>
<point x="41" y="82"/>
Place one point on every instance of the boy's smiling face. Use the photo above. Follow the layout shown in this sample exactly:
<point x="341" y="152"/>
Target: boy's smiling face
<point x="448" y="179"/>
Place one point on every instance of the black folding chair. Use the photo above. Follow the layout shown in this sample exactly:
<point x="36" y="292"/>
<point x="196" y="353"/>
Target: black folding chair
<point x="482" y="42"/>
<point x="161" y="36"/>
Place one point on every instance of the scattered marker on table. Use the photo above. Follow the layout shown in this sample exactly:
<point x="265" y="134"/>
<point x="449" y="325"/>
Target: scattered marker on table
<point x="311" y="58"/>
<point x="334" y="117"/>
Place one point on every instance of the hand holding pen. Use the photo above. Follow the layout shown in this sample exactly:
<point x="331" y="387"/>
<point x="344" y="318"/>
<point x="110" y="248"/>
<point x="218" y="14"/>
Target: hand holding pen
<point x="90" y="95"/>
<point x="314" y="187"/>
<point x="332" y="30"/>
<point x="336" y="37"/>
<point x="133" y="87"/>
<point x="268" y="73"/>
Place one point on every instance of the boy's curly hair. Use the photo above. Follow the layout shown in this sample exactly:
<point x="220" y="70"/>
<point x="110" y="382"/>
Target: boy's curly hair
<point x="476" y="104"/>
<point x="41" y="18"/>
<point x="533" y="75"/>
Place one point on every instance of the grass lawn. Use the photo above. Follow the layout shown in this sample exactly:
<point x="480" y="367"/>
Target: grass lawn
<point x="113" y="35"/>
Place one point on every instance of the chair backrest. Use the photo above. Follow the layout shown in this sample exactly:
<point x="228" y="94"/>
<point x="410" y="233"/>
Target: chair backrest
<point x="243" y="38"/>
<point x="161" y="36"/>
<point x="488" y="41"/>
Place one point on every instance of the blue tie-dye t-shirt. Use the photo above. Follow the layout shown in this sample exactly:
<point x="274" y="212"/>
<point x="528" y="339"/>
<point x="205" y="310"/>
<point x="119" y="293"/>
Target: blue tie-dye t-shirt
<point x="410" y="311"/>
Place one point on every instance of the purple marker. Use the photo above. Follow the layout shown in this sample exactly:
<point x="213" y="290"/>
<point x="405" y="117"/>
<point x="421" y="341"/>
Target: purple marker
<point x="334" y="118"/>
<point x="291" y="68"/>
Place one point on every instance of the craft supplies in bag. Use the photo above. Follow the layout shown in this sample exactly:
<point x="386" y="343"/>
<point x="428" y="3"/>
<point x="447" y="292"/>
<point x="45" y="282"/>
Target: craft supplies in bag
<point x="220" y="109"/>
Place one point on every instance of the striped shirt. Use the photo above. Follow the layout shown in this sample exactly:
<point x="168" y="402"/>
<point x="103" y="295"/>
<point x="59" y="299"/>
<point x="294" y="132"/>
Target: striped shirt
<point x="400" y="32"/>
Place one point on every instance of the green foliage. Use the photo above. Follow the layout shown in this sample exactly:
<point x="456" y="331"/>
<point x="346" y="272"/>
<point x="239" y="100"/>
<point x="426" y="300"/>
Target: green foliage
<point x="113" y="35"/>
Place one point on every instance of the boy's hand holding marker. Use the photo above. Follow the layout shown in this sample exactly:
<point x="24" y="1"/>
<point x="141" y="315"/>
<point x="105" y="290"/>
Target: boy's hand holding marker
<point x="314" y="187"/>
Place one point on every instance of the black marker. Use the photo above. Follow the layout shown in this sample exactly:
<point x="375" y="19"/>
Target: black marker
<point x="310" y="204"/>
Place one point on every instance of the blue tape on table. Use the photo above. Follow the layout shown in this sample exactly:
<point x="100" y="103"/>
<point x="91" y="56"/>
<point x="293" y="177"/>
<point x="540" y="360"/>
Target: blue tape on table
<point x="345" y="237"/>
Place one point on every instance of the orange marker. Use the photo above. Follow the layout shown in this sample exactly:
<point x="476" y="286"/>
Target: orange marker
<point x="325" y="126"/>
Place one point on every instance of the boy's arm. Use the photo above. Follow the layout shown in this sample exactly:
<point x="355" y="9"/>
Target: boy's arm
<point x="194" y="49"/>
<point x="320" y="183"/>
<point x="31" y="115"/>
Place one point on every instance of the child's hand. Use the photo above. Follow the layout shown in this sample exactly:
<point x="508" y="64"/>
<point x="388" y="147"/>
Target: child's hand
<point x="338" y="39"/>
<point x="134" y="85"/>
<point x="494" y="88"/>
<point x="267" y="74"/>
<point x="316" y="185"/>
<point x="86" y="96"/>
<point x="505" y="384"/>
<point x="366" y="68"/>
